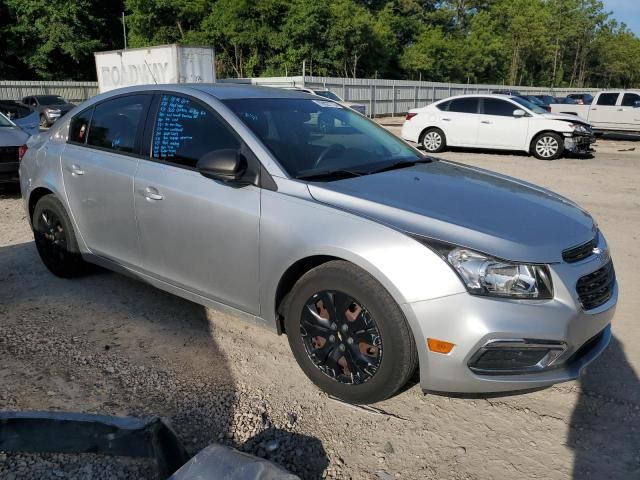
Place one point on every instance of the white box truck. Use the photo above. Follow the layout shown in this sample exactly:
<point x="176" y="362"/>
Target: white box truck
<point x="149" y="65"/>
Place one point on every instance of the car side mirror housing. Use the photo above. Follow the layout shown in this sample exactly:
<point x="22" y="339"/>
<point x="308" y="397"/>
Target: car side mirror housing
<point x="227" y="165"/>
<point x="636" y="104"/>
<point x="519" y="113"/>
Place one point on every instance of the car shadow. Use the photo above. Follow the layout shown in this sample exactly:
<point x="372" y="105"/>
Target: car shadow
<point x="144" y="353"/>
<point x="604" y="431"/>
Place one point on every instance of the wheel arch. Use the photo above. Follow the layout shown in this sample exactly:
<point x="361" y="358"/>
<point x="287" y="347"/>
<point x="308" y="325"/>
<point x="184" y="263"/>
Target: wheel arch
<point x="35" y="195"/>
<point x="537" y="134"/>
<point x="427" y="128"/>
<point x="290" y="277"/>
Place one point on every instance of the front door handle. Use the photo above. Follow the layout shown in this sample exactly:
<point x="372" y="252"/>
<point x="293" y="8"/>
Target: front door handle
<point x="486" y="122"/>
<point x="152" y="193"/>
<point x="76" y="170"/>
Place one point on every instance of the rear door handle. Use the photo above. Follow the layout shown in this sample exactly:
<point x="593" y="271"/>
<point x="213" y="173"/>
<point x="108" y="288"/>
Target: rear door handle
<point x="486" y="122"/>
<point x="152" y="193"/>
<point x="446" y="119"/>
<point x="76" y="170"/>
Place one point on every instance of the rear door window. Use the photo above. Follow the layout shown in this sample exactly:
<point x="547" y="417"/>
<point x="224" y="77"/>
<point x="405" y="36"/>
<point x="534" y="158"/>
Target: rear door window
<point x="115" y="123"/>
<point x="630" y="99"/>
<point x="464" y="105"/>
<point x="185" y="130"/>
<point x="607" y="98"/>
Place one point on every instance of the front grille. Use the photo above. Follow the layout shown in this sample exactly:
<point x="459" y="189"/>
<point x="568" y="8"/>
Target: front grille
<point x="575" y="254"/>
<point x="596" y="288"/>
<point x="8" y="154"/>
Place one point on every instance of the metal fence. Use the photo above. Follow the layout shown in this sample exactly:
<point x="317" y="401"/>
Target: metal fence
<point x="71" y="91"/>
<point x="380" y="97"/>
<point x="394" y="97"/>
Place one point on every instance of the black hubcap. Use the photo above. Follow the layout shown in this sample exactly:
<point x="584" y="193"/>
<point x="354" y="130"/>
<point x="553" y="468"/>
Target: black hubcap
<point x="51" y="237"/>
<point x="341" y="337"/>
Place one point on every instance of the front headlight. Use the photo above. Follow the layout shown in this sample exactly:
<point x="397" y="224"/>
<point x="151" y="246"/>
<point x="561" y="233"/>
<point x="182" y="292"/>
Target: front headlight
<point x="580" y="128"/>
<point x="484" y="275"/>
<point x="53" y="111"/>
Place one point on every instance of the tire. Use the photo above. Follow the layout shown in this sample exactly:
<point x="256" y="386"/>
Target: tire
<point x="434" y="140"/>
<point x="43" y="121"/>
<point x="367" y="367"/>
<point x="547" y="146"/>
<point x="55" y="239"/>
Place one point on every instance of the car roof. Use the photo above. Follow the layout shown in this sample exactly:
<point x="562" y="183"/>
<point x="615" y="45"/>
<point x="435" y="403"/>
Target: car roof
<point x="220" y="91"/>
<point x="483" y="95"/>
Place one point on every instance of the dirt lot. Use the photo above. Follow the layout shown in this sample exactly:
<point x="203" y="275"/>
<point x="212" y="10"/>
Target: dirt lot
<point x="109" y="344"/>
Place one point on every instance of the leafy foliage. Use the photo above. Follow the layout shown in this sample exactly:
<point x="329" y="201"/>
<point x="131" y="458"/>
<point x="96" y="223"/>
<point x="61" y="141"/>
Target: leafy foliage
<point x="543" y="42"/>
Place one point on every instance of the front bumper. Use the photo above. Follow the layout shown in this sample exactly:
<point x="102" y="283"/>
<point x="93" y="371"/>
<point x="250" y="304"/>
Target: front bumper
<point x="471" y="322"/>
<point x="576" y="143"/>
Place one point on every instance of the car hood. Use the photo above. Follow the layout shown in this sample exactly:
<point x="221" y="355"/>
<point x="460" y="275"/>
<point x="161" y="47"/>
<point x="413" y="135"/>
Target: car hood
<point x="12" y="137"/>
<point x="565" y="117"/>
<point x="465" y="206"/>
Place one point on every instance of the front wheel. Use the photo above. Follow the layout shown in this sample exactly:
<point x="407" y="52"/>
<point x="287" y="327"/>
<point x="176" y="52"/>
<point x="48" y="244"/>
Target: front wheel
<point x="434" y="141"/>
<point x="43" y="121"/>
<point x="348" y="334"/>
<point x="548" y="146"/>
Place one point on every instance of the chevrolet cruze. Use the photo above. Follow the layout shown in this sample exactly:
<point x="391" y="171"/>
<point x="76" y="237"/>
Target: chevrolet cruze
<point x="294" y="212"/>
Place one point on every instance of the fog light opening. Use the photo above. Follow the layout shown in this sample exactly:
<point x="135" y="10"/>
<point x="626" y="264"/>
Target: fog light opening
<point x="504" y="357"/>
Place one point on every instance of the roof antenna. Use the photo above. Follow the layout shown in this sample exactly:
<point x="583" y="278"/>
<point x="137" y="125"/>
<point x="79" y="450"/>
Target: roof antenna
<point x="154" y="78"/>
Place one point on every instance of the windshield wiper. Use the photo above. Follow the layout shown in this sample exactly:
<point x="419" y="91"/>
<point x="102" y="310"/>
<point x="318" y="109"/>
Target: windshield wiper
<point x="400" y="164"/>
<point x="329" y="175"/>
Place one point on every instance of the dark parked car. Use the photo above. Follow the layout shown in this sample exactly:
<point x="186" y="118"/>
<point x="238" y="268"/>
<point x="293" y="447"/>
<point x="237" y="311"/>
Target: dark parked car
<point x="581" y="98"/>
<point x="50" y="107"/>
<point x="536" y="101"/>
<point x="546" y="99"/>
<point x="567" y="100"/>
<point x="506" y="91"/>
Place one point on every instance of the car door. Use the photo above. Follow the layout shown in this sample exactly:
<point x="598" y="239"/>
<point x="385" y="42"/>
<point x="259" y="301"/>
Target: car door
<point x="629" y="111"/>
<point x="460" y="121"/>
<point x="196" y="233"/>
<point x="98" y="166"/>
<point x="499" y="128"/>
<point x="603" y="113"/>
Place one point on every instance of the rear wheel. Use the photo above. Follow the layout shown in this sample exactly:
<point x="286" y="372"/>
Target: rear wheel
<point x="55" y="240"/>
<point x="348" y="335"/>
<point x="434" y="141"/>
<point x="548" y="146"/>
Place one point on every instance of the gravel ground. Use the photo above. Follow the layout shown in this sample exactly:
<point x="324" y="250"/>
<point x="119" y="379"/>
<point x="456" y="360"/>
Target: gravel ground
<point x="109" y="344"/>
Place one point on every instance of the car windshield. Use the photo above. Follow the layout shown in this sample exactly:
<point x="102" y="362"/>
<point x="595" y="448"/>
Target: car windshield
<point x="311" y="137"/>
<point x="531" y="106"/>
<point x="51" y="100"/>
<point x="329" y="95"/>
<point x="4" y="121"/>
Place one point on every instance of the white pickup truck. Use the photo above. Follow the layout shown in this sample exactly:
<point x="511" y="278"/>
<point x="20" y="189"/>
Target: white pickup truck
<point x="611" y="111"/>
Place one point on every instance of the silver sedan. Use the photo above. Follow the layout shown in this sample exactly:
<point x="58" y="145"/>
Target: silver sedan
<point x="294" y="212"/>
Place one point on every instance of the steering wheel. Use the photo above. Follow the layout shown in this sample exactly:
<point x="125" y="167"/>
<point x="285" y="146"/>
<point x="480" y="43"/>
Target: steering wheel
<point x="328" y="152"/>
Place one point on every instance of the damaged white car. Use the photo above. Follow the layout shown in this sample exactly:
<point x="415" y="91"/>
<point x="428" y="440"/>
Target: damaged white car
<point x="501" y="122"/>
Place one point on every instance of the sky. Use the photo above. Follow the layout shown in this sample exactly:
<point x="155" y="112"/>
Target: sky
<point x="627" y="11"/>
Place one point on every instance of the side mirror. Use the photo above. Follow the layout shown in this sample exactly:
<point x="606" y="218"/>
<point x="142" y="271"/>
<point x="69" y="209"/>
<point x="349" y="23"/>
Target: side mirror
<point x="636" y="104"/>
<point x="519" y="113"/>
<point x="227" y="165"/>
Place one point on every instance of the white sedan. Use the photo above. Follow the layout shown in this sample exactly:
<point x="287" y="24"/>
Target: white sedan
<point x="501" y="122"/>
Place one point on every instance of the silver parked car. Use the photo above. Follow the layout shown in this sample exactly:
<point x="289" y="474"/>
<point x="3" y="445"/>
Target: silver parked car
<point x="13" y="141"/>
<point x="300" y="214"/>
